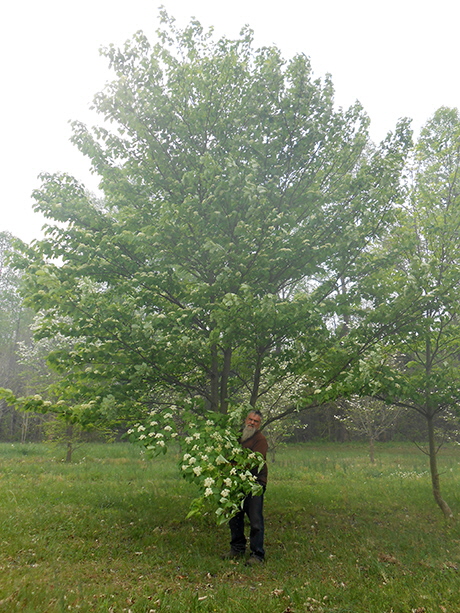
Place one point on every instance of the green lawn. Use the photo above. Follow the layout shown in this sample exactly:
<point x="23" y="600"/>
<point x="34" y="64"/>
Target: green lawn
<point x="108" y="534"/>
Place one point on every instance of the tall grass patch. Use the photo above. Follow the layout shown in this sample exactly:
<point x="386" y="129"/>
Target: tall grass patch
<point x="107" y="533"/>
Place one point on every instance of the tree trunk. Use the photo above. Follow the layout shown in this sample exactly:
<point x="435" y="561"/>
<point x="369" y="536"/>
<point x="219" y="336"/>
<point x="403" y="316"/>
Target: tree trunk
<point x="214" y="379"/>
<point x="69" y="433"/>
<point x="224" y="380"/>
<point x="434" y="471"/>
<point x="24" y="427"/>
<point x="371" y="450"/>
<point x="256" y="382"/>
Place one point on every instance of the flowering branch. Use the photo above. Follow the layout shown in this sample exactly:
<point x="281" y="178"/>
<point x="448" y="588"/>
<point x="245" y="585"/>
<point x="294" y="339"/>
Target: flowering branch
<point x="212" y="458"/>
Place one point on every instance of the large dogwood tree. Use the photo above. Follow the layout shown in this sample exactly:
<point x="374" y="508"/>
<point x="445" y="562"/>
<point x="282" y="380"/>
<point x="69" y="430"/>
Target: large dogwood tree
<point x="225" y="253"/>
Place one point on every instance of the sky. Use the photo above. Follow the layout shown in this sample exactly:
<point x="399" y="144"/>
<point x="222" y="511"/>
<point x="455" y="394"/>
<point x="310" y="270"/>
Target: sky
<point x="399" y="59"/>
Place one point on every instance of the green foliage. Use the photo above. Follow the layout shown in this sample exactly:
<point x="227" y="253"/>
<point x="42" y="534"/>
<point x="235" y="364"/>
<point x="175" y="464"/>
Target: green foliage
<point x="238" y="202"/>
<point x="423" y="368"/>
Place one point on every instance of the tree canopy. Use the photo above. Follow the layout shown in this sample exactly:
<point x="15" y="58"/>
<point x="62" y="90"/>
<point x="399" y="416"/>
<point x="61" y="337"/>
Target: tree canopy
<point x="227" y="253"/>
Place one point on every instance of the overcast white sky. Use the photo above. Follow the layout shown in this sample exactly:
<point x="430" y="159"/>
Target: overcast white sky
<point x="398" y="58"/>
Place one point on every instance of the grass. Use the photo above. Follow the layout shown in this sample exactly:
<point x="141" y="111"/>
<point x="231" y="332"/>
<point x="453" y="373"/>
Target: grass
<point x="108" y="534"/>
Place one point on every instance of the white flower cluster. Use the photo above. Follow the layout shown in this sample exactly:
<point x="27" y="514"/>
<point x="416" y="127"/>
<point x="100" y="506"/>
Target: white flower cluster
<point x="155" y="434"/>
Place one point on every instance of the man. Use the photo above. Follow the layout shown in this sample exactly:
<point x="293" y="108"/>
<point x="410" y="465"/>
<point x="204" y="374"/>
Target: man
<point x="253" y="439"/>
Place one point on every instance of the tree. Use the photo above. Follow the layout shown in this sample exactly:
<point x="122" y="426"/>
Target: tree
<point x="12" y="314"/>
<point x="236" y="200"/>
<point x="368" y="417"/>
<point x="14" y="329"/>
<point x="422" y="368"/>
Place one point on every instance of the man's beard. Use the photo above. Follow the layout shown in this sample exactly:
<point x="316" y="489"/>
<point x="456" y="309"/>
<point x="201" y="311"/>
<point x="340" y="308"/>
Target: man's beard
<point x="248" y="431"/>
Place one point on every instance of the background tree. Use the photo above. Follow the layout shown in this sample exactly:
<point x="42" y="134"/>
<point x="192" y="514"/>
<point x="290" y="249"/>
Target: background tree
<point x="237" y="198"/>
<point x="72" y="436"/>
<point x="423" y="368"/>
<point x="368" y="417"/>
<point x="61" y="426"/>
<point x="14" y="330"/>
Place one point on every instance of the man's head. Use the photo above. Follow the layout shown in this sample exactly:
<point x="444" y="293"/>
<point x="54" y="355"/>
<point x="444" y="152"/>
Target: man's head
<point x="251" y="424"/>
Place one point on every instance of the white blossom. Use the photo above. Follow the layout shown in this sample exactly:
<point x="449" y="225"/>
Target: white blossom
<point x="186" y="456"/>
<point x="228" y="482"/>
<point x="197" y="470"/>
<point x="141" y="428"/>
<point x="154" y="423"/>
<point x="142" y="436"/>
<point x="208" y="491"/>
<point x="192" y="461"/>
<point x="208" y="482"/>
<point x="168" y="428"/>
<point x="225" y="493"/>
<point x="168" y="416"/>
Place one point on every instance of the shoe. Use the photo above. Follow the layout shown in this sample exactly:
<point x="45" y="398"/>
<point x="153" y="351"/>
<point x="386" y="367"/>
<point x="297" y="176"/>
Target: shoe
<point x="254" y="561"/>
<point x="232" y="554"/>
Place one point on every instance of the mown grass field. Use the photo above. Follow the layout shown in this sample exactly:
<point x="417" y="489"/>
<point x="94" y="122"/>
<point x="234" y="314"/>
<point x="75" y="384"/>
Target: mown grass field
<point x="107" y="534"/>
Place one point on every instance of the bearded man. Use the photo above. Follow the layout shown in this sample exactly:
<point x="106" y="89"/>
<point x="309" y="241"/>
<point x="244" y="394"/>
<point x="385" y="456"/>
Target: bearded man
<point x="253" y="439"/>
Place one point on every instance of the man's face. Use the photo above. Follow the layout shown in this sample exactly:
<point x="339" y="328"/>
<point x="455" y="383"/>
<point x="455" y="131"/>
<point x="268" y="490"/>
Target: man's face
<point x="253" y="421"/>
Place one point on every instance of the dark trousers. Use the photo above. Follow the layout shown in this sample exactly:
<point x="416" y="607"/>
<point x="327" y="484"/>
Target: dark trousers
<point x="253" y="507"/>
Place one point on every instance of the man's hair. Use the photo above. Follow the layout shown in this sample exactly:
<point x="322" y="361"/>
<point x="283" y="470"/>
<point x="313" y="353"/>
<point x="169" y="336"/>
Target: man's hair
<point x="256" y="412"/>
